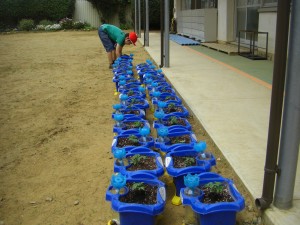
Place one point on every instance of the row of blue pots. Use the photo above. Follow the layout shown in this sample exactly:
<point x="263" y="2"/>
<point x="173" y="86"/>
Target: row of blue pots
<point x="162" y="96"/>
<point x="132" y="109"/>
<point x="152" y="84"/>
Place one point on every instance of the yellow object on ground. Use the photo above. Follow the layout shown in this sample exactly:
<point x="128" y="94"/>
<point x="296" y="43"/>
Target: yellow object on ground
<point x="176" y="200"/>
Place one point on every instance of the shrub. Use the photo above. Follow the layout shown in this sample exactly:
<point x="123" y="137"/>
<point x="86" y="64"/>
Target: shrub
<point x="53" y="27"/>
<point x="125" y="26"/>
<point x="78" y="25"/>
<point x="40" y="27"/>
<point x="88" y="26"/>
<point x="66" y="23"/>
<point x="45" y="22"/>
<point x="12" y="11"/>
<point x="26" y="24"/>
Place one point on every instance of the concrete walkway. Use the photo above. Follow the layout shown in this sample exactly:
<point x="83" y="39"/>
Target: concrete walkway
<point x="233" y="106"/>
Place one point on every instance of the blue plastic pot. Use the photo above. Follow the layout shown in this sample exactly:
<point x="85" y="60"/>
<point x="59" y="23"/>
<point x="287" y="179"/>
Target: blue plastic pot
<point x="122" y="65"/>
<point x="160" y="83"/>
<point x="128" y="81"/>
<point x="156" y="172"/>
<point x="163" y="90"/>
<point x="120" y="130"/>
<point x="167" y="146"/>
<point x="221" y="213"/>
<point x="157" y="124"/>
<point x="128" y="112"/>
<point x="149" y="143"/>
<point x="184" y="113"/>
<point x="134" y="93"/>
<point x="166" y="97"/>
<point x="128" y="86"/>
<point x="122" y="72"/>
<point x="155" y="77"/>
<point x="179" y="173"/>
<point x="143" y="103"/>
<point x="132" y="213"/>
<point x="210" y="158"/>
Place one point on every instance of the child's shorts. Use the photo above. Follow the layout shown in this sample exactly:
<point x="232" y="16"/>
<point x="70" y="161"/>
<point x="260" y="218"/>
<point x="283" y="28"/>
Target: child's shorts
<point x="108" y="44"/>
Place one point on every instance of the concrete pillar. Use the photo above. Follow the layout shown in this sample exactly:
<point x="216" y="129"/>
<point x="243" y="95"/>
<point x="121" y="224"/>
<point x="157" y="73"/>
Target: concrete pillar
<point x="226" y="21"/>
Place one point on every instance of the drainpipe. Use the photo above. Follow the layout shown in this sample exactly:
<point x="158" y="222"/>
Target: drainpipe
<point x="135" y="16"/>
<point x="167" y="33"/>
<point x="161" y="33"/>
<point x="139" y="19"/>
<point x="279" y="69"/>
<point x="290" y="133"/>
<point x="146" y="35"/>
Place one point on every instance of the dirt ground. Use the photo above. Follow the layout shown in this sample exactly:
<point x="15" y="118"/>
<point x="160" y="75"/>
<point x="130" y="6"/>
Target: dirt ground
<point x="56" y="97"/>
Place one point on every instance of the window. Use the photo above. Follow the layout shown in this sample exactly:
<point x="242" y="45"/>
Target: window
<point x="198" y="4"/>
<point x="269" y="3"/>
<point x="186" y="4"/>
<point x="247" y="16"/>
<point x="209" y="4"/>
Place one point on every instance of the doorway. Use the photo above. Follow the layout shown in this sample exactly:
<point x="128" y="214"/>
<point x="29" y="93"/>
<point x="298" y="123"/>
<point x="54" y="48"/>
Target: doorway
<point x="247" y="18"/>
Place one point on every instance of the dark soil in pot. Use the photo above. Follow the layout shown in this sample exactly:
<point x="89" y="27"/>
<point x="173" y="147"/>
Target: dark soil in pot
<point x="144" y="163"/>
<point x="143" y="194"/>
<point x="165" y="91"/>
<point x="177" y="121"/>
<point x="173" y="109"/>
<point x="127" y="141"/>
<point x="135" y="102"/>
<point x="183" y="161"/>
<point x="168" y="98"/>
<point x="180" y="139"/>
<point x="131" y="125"/>
<point x="212" y="196"/>
<point x="135" y="112"/>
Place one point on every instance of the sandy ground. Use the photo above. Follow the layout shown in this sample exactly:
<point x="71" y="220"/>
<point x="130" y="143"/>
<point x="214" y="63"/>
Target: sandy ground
<point x="56" y="96"/>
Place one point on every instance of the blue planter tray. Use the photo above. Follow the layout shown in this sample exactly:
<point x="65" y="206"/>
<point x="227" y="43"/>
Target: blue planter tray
<point x="120" y="130"/>
<point x="134" y="93"/>
<point x="129" y="112"/>
<point x="179" y="173"/>
<point x="133" y="213"/>
<point x="156" y="172"/>
<point x="221" y="213"/>
<point x="129" y="82"/>
<point x="143" y="105"/>
<point x="163" y="90"/>
<point x="210" y="158"/>
<point x="166" y="97"/>
<point x="161" y="83"/>
<point x="184" y="113"/>
<point x="157" y="124"/>
<point x="167" y="146"/>
<point x="129" y="86"/>
<point x="147" y="144"/>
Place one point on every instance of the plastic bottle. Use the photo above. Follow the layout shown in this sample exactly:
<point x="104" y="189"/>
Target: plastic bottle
<point x="191" y="182"/>
<point x="200" y="148"/>
<point x="145" y="131"/>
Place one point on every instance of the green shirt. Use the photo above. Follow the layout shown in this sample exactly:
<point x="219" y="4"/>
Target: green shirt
<point x="114" y="33"/>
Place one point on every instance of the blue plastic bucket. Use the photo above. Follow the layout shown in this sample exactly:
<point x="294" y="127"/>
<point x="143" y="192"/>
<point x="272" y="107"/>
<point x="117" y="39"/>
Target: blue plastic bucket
<point x="158" y="161"/>
<point x="221" y="213"/>
<point x="131" y="213"/>
<point x="179" y="173"/>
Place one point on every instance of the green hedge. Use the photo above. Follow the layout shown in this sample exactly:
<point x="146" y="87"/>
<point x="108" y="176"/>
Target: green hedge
<point x="12" y="11"/>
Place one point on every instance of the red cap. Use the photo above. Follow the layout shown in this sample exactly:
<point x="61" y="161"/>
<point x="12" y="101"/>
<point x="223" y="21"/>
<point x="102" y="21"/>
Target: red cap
<point x="133" y="37"/>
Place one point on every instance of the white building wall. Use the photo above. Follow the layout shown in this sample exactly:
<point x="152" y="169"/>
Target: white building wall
<point x="200" y="24"/>
<point x="267" y="23"/>
<point x="84" y="11"/>
<point x="226" y="21"/>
